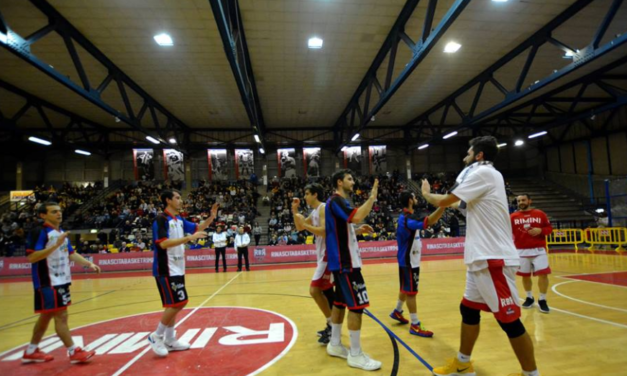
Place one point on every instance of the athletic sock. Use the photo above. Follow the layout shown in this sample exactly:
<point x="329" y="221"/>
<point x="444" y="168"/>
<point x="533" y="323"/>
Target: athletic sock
<point x="530" y="294"/>
<point x="336" y="334"/>
<point x="399" y="305"/>
<point x="542" y="297"/>
<point x="31" y="349"/>
<point x="355" y="342"/>
<point x="531" y="373"/>
<point x="414" y="318"/>
<point x="161" y="329"/>
<point x="463" y="358"/>
<point x="169" y="334"/>
<point x="71" y="349"/>
<point x="329" y="321"/>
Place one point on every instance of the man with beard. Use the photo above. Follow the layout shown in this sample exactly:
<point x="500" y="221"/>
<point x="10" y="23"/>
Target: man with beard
<point x="531" y="226"/>
<point x="169" y="237"/>
<point x="409" y="255"/>
<point x="490" y="256"/>
<point x="344" y="260"/>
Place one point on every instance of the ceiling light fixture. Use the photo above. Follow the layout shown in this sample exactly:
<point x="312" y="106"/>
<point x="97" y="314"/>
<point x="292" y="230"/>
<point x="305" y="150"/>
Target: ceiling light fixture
<point x="452" y="47"/>
<point x="355" y="137"/>
<point x="164" y="39"/>
<point x="40" y="141"/>
<point x="262" y="151"/>
<point x="537" y="134"/>
<point x="83" y="152"/>
<point x="153" y="140"/>
<point x="257" y="139"/>
<point x="519" y="142"/>
<point x="315" y="43"/>
<point x="423" y="146"/>
<point x="452" y="134"/>
<point x="502" y="145"/>
<point x="172" y="140"/>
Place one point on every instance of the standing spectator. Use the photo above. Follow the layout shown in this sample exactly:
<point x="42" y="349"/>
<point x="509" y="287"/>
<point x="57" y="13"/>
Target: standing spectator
<point x="241" y="244"/>
<point x="220" y="242"/>
<point x="257" y="230"/>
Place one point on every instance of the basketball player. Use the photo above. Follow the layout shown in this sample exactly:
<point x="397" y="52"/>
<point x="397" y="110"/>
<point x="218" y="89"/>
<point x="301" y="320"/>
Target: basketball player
<point x="345" y="262"/>
<point x="409" y="255"/>
<point x="50" y="252"/>
<point x="168" y="232"/>
<point x="490" y="257"/>
<point x="531" y="226"/>
<point x="321" y="286"/>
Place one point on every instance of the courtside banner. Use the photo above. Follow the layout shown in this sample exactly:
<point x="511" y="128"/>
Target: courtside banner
<point x="196" y="258"/>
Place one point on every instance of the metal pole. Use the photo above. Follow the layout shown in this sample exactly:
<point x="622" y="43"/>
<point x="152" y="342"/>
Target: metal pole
<point x="608" y="203"/>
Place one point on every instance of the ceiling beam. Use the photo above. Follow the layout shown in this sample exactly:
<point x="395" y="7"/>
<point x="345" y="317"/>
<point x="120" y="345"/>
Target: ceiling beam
<point x="229" y="21"/>
<point x="538" y="39"/>
<point x="21" y="47"/>
<point x="420" y="49"/>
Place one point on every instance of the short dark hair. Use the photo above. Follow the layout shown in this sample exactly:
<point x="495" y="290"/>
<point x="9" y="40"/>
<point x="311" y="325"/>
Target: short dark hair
<point x="43" y="208"/>
<point x="525" y="194"/>
<point x="315" y="189"/>
<point x="339" y="175"/>
<point x="486" y="144"/>
<point x="168" y="194"/>
<point x="404" y="198"/>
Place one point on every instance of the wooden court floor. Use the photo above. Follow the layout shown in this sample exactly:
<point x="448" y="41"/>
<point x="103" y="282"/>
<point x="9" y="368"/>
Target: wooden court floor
<point x="585" y="333"/>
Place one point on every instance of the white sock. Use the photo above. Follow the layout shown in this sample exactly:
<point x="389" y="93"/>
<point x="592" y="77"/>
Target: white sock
<point x="414" y="318"/>
<point x="71" y="349"/>
<point x="542" y="297"/>
<point x="355" y="342"/>
<point x="463" y="358"/>
<point x="399" y="305"/>
<point x="329" y="321"/>
<point x="169" y="334"/>
<point x="530" y="294"/>
<point x="531" y="373"/>
<point x="336" y="334"/>
<point x="161" y="329"/>
<point x="31" y="348"/>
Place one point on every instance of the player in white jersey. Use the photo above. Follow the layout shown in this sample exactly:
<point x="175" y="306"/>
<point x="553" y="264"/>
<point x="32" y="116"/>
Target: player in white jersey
<point x="490" y="257"/>
<point x="321" y="287"/>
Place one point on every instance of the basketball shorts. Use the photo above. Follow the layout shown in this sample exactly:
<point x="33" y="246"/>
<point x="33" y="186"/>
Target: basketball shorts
<point x="537" y="265"/>
<point x="409" y="278"/>
<point x="350" y="290"/>
<point x="172" y="291"/>
<point x="322" y="277"/>
<point x="52" y="298"/>
<point x="493" y="289"/>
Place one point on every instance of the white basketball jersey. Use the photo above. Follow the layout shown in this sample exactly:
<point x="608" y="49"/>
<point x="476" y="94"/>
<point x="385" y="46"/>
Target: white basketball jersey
<point x="321" y="247"/>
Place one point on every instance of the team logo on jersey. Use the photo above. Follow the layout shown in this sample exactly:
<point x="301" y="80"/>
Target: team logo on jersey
<point x="224" y="341"/>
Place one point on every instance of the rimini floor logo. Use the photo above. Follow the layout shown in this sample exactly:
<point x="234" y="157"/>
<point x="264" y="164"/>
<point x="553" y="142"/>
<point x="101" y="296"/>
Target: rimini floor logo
<point x="225" y="341"/>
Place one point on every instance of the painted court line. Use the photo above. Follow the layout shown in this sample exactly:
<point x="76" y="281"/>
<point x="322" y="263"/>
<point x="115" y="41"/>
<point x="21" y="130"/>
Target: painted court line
<point x="148" y="348"/>
<point x="586" y="317"/>
<point x="554" y="288"/>
<point x="390" y="332"/>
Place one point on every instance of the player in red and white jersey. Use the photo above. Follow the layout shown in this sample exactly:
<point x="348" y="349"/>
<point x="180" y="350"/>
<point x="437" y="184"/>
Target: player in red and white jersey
<point x="530" y="227"/>
<point x="490" y="256"/>
<point x="321" y="287"/>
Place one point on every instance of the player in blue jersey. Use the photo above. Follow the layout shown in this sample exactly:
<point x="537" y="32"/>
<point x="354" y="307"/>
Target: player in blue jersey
<point x="409" y="254"/>
<point x="344" y="260"/>
<point x="168" y="232"/>
<point x="50" y="252"/>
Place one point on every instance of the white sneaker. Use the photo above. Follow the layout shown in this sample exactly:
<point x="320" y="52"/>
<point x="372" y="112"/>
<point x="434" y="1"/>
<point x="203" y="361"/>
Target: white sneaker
<point x="157" y="344"/>
<point x="338" y="351"/>
<point x="177" y="345"/>
<point x="363" y="361"/>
